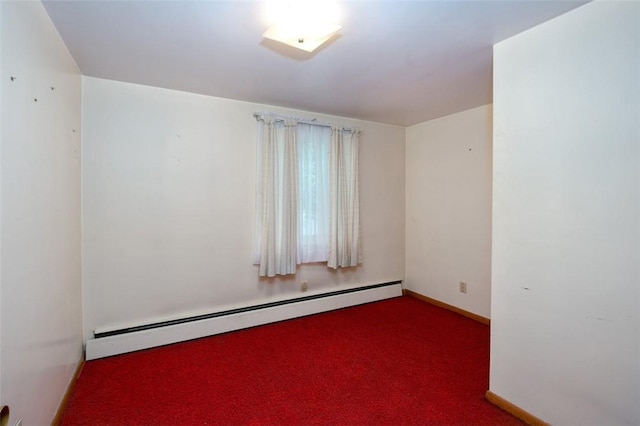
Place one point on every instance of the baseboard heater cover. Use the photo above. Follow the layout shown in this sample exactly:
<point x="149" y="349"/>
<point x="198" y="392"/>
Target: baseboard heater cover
<point x="115" y="342"/>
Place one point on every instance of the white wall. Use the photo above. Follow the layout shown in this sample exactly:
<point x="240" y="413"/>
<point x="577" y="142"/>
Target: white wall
<point x="448" y="213"/>
<point x="40" y="311"/>
<point x="168" y="190"/>
<point x="566" y="218"/>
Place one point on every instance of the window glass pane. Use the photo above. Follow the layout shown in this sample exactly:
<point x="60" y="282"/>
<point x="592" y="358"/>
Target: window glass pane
<point x="313" y="213"/>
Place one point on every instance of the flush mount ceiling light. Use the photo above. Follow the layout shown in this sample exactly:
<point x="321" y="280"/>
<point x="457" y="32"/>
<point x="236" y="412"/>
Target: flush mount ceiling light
<point x="307" y="38"/>
<point x="305" y="25"/>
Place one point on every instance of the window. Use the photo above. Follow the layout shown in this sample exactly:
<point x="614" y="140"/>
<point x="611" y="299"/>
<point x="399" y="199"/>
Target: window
<point x="313" y="144"/>
<point x="307" y="195"/>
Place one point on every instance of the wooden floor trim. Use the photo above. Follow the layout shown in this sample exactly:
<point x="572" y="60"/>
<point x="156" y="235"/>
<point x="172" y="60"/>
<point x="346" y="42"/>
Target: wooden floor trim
<point x="455" y="309"/>
<point x="65" y="399"/>
<point x="509" y="407"/>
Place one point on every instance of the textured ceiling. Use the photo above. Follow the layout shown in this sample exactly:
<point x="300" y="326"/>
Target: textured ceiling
<point x="396" y="62"/>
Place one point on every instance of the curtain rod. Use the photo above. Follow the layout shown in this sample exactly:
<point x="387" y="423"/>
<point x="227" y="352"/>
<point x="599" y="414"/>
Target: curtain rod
<point x="313" y="121"/>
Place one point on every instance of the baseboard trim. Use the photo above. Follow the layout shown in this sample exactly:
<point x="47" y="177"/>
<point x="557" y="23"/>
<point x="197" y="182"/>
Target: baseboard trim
<point x="509" y="407"/>
<point x="455" y="309"/>
<point x="67" y="394"/>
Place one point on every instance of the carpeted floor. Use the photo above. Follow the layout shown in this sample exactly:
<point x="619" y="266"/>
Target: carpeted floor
<point x="396" y="362"/>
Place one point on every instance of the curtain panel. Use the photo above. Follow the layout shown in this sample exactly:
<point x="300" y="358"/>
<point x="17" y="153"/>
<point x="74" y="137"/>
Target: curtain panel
<point x="278" y="198"/>
<point x="307" y="200"/>
<point x="344" y="236"/>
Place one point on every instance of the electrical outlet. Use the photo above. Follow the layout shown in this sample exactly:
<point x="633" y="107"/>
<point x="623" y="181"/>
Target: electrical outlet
<point x="303" y="286"/>
<point x="463" y="287"/>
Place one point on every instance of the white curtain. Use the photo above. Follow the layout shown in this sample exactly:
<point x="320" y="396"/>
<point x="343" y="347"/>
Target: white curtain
<point x="344" y="224"/>
<point x="313" y="211"/>
<point x="277" y="198"/>
<point x="307" y="207"/>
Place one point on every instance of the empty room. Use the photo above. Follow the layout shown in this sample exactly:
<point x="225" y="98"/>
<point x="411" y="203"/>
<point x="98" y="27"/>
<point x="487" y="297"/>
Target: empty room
<point x="319" y="212"/>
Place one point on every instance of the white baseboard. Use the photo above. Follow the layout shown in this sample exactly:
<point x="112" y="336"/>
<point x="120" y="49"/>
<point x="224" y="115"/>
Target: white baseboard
<point x="144" y="339"/>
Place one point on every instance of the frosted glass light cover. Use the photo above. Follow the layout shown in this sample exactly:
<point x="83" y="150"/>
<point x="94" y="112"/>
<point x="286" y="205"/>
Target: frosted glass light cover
<point x="308" y="38"/>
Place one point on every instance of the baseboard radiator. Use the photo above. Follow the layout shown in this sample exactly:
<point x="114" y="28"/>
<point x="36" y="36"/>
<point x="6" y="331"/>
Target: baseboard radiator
<point x="118" y="341"/>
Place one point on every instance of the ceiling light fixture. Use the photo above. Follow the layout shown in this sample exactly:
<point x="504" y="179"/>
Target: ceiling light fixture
<point x="305" y="25"/>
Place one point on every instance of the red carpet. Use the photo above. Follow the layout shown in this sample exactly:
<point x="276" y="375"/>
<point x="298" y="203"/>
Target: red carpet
<point x="400" y="361"/>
